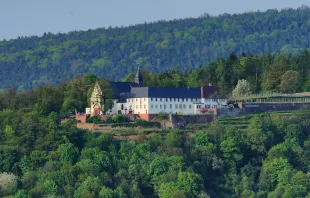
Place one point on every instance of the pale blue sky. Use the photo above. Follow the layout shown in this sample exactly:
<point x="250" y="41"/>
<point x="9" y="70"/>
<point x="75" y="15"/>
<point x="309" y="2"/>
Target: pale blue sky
<point x="33" y="17"/>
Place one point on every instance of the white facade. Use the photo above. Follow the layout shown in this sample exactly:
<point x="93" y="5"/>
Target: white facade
<point x="117" y="108"/>
<point x="144" y="100"/>
<point x="183" y="106"/>
<point x="88" y="111"/>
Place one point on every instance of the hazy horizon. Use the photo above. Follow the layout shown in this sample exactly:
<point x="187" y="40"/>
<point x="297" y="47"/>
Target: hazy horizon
<point x="34" y="17"/>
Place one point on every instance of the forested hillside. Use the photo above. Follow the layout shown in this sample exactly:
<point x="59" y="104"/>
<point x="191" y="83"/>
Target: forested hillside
<point x="267" y="157"/>
<point x="114" y="52"/>
<point x="264" y="74"/>
<point x="40" y="157"/>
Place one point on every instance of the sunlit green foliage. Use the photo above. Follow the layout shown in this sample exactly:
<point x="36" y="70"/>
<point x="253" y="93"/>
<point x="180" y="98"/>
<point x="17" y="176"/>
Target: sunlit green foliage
<point x="40" y="157"/>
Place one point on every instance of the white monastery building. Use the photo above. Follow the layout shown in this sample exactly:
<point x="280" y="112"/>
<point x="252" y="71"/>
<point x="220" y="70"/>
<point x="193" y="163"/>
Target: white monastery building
<point x="147" y="102"/>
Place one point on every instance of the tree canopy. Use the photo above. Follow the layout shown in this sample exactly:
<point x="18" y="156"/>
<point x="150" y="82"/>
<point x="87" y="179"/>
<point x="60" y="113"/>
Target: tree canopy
<point x="41" y="157"/>
<point x="112" y="53"/>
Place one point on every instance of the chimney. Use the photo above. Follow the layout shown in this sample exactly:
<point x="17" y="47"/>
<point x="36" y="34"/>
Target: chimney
<point x="210" y="85"/>
<point x="202" y="92"/>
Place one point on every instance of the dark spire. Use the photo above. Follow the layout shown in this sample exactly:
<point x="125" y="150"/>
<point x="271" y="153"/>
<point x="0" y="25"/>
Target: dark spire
<point x="139" y="78"/>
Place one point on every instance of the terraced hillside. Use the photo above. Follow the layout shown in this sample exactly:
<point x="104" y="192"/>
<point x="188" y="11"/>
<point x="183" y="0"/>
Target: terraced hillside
<point x="242" y="122"/>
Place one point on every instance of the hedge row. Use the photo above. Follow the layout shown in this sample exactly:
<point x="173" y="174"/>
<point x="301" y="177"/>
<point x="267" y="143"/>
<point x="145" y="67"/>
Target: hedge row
<point x="137" y="124"/>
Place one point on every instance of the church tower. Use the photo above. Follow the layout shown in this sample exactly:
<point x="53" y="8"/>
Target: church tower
<point x="139" y="78"/>
<point x="96" y="101"/>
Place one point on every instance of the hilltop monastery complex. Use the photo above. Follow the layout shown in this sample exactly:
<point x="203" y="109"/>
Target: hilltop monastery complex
<point x="147" y="102"/>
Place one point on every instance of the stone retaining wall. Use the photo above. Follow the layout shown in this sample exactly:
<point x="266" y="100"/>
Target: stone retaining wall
<point x="259" y="108"/>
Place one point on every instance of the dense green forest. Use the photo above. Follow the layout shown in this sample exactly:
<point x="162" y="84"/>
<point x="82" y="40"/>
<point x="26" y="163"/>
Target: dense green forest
<point x="279" y="73"/>
<point x="268" y="73"/>
<point x="40" y="157"/>
<point x="29" y="62"/>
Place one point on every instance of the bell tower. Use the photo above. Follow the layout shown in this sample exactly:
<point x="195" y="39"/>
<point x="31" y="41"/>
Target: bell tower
<point x="139" y="78"/>
<point x="96" y="101"/>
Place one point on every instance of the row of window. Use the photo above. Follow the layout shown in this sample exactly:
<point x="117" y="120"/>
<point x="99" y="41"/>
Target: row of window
<point x="165" y="99"/>
<point x="172" y="99"/>
<point x="176" y="106"/>
<point x="135" y="99"/>
<point x="180" y="106"/>
<point x="206" y="106"/>
<point x="137" y="106"/>
<point x="175" y="99"/>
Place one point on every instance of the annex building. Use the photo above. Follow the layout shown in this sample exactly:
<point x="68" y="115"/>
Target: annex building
<point x="146" y="102"/>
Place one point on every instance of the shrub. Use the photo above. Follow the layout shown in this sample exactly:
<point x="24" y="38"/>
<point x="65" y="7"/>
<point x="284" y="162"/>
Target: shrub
<point x="8" y="183"/>
<point x="307" y="86"/>
<point x="140" y="123"/>
<point x="290" y="82"/>
<point x="109" y="120"/>
<point x="162" y="116"/>
<point x="94" y="119"/>
<point x="144" y="123"/>
<point x="242" y="88"/>
<point x="118" y="118"/>
<point x="21" y="194"/>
